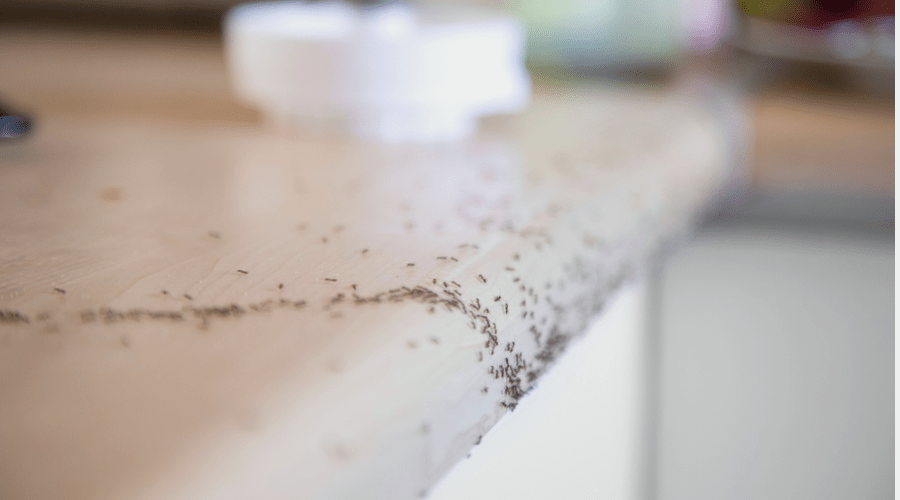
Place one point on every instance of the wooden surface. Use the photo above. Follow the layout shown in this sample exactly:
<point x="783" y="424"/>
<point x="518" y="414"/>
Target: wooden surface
<point x="194" y="306"/>
<point x="816" y="142"/>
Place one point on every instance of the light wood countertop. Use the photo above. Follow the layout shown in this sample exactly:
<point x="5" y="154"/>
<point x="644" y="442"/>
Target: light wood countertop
<point x="196" y="306"/>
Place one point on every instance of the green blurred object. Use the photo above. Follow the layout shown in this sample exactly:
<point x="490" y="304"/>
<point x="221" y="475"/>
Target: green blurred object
<point x="772" y="9"/>
<point x="592" y="34"/>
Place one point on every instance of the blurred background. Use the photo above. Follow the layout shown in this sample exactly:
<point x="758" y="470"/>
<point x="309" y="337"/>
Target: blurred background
<point x="773" y="325"/>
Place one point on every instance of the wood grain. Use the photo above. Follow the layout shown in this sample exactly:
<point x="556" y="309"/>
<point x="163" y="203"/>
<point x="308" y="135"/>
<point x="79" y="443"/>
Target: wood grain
<point x="200" y="308"/>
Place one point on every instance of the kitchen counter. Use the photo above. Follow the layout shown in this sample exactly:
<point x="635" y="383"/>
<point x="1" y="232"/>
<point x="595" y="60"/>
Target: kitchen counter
<point x="195" y="304"/>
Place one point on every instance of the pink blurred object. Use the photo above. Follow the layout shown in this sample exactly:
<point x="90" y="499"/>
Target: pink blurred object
<point x="705" y="23"/>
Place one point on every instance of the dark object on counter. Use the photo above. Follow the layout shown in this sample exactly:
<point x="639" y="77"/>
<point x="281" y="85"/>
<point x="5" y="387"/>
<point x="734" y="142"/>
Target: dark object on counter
<point x="13" y="125"/>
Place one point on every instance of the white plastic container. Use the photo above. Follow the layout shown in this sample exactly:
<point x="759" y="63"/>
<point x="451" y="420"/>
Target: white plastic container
<point x="390" y="72"/>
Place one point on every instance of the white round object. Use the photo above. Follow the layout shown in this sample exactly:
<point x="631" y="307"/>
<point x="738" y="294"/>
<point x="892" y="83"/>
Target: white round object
<point x="390" y="72"/>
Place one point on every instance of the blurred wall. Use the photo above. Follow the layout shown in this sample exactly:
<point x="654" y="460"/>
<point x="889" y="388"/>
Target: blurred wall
<point x="777" y="363"/>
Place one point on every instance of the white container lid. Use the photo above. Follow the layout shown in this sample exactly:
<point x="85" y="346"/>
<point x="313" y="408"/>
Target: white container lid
<point x="391" y="72"/>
